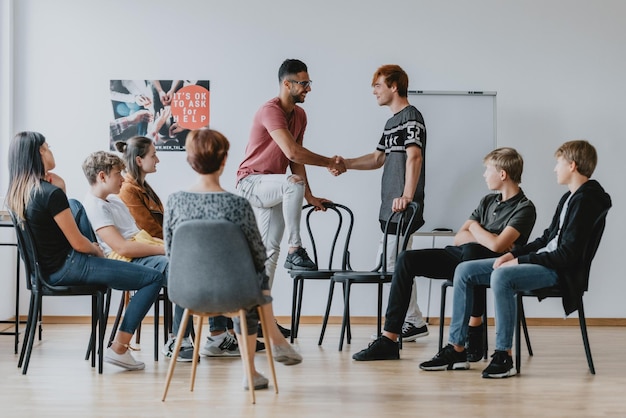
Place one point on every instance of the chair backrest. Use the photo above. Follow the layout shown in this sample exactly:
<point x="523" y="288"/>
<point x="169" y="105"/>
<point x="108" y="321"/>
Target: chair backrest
<point x="211" y="268"/>
<point x="35" y="280"/>
<point x="592" y="247"/>
<point x="28" y="252"/>
<point x="341" y="235"/>
<point x="402" y="221"/>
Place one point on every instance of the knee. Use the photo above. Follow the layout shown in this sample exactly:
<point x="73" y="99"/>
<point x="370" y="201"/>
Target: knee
<point x="295" y="179"/>
<point x="498" y="280"/>
<point x="461" y="274"/>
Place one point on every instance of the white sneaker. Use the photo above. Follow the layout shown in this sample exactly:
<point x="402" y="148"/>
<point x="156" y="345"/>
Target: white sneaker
<point x="185" y="354"/>
<point x="125" y="360"/>
<point x="223" y="345"/>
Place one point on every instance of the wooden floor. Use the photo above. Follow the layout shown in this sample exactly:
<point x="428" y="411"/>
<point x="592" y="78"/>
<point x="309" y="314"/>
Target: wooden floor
<point x="554" y="383"/>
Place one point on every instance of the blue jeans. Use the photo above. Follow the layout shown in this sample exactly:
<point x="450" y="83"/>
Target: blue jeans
<point x="161" y="264"/>
<point x="81" y="269"/>
<point x="504" y="282"/>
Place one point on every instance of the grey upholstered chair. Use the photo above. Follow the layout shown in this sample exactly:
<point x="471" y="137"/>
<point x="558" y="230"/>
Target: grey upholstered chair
<point x="212" y="273"/>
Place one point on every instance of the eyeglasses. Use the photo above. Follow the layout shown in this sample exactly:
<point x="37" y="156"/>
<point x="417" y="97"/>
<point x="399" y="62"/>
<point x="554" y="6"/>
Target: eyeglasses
<point x="304" y="84"/>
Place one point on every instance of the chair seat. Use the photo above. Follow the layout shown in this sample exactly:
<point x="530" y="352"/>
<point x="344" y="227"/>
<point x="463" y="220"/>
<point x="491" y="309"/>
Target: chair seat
<point x="545" y="292"/>
<point x="363" y="277"/>
<point x="72" y="290"/>
<point x="313" y="274"/>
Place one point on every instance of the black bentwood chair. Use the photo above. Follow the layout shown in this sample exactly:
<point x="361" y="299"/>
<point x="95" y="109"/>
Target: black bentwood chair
<point x="379" y="276"/>
<point x="39" y="287"/>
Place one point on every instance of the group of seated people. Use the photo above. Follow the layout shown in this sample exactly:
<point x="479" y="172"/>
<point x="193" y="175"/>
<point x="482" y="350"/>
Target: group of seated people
<point x="491" y="250"/>
<point x="133" y="233"/>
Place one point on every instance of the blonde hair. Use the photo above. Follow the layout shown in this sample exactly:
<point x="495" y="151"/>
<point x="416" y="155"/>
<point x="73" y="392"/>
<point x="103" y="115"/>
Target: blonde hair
<point x="507" y="159"/>
<point x="580" y="152"/>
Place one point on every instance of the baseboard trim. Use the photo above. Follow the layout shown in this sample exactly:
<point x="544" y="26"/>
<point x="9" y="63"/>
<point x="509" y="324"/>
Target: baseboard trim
<point x="365" y="320"/>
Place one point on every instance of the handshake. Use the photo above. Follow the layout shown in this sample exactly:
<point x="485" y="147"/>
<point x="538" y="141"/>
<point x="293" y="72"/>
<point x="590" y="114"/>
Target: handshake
<point x="337" y="165"/>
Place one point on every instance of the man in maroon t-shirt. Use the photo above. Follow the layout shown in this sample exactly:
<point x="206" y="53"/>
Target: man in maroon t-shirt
<point x="276" y="144"/>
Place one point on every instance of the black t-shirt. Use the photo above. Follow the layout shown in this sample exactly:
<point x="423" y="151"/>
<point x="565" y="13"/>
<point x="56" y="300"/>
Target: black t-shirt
<point x="52" y="246"/>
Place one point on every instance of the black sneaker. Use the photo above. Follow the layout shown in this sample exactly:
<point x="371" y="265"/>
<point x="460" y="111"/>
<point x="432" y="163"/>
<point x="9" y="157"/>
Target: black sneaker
<point x="475" y="347"/>
<point x="501" y="366"/>
<point x="380" y="349"/>
<point x="447" y="359"/>
<point x="286" y="333"/>
<point x="299" y="260"/>
<point x="411" y="333"/>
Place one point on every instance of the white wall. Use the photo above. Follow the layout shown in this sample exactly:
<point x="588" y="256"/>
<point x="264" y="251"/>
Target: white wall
<point x="558" y="67"/>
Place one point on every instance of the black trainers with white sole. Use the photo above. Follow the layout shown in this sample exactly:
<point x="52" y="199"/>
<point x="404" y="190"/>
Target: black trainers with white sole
<point x="447" y="359"/>
<point x="501" y="366"/>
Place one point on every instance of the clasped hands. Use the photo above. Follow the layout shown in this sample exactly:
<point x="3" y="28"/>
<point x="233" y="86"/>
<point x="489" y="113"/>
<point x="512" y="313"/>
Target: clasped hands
<point x="337" y="165"/>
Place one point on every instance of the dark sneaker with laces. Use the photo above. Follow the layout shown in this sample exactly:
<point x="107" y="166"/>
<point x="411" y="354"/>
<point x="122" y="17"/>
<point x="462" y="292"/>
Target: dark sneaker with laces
<point x="380" y="349"/>
<point x="501" y="366"/>
<point x="299" y="260"/>
<point x="286" y="333"/>
<point x="447" y="359"/>
<point x="475" y="347"/>
<point x="411" y="333"/>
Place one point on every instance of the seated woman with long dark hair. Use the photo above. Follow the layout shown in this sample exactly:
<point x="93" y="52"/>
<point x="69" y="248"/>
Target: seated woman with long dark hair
<point x="61" y="229"/>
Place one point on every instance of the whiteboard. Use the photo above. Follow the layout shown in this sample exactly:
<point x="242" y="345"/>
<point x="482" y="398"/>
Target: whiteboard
<point x="460" y="131"/>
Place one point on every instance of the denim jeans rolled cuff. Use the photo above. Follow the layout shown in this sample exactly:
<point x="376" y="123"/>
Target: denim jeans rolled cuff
<point x="252" y="321"/>
<point x="178" y="317"/>
<point x="220" y="323"/>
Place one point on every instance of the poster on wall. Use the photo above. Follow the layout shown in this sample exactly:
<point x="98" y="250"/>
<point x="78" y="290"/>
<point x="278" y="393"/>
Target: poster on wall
<point x="162" y="110"/>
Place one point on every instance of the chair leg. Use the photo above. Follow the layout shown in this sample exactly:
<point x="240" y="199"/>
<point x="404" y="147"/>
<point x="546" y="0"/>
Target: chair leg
<point x="327" y="313"/>
<point x="103" y="312"/>
<point x="243" y="349"/>
<point x="268" y="350"/>
<point x="583" y="330"/>
<point x="299" y="308"/>
<point x="525" y="327"/>
<point x="442" y="312"/>
<point x="348" y="327"/>
<point x="31" y="336"/>
<point x="196" y="348"/>
<point x="485" y="338"/>
<point x="380" y="310"/>
<point x="40" y="320"/>
<point x="156" y="328"/>
<point x="179" y="339"/>
<point x="118" y="317"/>
<point x="95" y="307"/>
<point x="294" y="299"/>
<point x="518" y="343"/>
<point x="31" y="324"/>
<point x="346" y="314"/>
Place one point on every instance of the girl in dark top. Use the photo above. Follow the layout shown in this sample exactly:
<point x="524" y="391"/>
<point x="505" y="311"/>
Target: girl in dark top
<point x="61" y="229"/>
